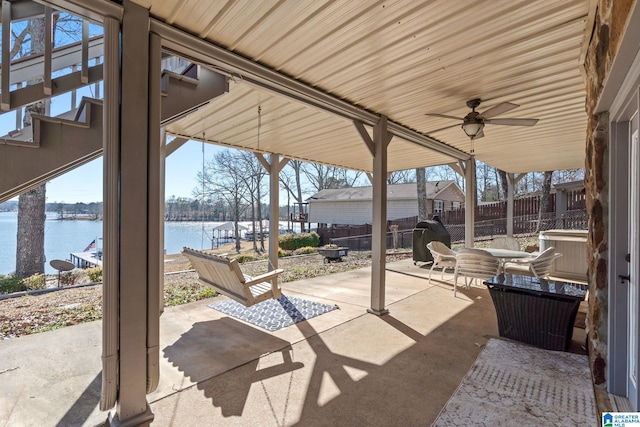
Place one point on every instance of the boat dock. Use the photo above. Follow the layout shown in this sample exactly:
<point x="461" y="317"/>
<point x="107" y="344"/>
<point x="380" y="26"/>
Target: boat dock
<point x="85" y="259"/>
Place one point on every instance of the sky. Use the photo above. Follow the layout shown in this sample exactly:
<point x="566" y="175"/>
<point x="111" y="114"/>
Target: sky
<point x="84" y="184"/>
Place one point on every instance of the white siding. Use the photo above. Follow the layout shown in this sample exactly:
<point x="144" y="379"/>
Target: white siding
<point x="357" y="212"/>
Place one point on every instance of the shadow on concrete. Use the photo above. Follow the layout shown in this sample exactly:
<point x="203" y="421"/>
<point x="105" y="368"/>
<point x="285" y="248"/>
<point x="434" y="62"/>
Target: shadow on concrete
<point x="84" y="405"/>
<point x="411" y="387"/>
<point x="227" y="342"/>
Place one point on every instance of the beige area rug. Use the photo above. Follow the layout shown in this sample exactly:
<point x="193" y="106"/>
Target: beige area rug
<point x="514" y="384"/>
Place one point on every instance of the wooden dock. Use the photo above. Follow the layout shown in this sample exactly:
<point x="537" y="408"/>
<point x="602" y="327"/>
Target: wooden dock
<point x="85" y="259"/>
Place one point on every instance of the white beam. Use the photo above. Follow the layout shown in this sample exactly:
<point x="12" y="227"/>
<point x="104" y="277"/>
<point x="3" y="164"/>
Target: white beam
<point x="253" y="73"/>
<point x="365" y="136"/>
<point x="172" y="146"/>
<point x="95" y="10"/>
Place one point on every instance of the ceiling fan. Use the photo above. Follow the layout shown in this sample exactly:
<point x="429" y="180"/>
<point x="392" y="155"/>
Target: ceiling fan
<point x="473" y="123"/>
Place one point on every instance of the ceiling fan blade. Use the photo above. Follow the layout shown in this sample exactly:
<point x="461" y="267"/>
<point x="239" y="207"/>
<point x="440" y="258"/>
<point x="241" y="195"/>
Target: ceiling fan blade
<point x="512" y="122"/>
<point x="444" y="128"/>
<point x="499" y="109"/>
<point x="444" y="116"/>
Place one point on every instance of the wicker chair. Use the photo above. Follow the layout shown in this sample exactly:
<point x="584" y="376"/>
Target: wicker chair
<point x="539" y="267"/>
<point x="474" y="263"/>
<point x="443" y="257"/>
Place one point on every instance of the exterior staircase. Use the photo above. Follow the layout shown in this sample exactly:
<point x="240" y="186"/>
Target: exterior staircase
<point x="51" y="146"/>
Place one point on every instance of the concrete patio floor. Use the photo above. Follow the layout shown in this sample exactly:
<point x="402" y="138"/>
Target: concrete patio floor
<point x="345" y="367"/>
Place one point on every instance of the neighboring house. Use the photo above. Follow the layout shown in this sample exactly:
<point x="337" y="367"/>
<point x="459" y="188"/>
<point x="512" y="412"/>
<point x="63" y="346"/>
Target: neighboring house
<point x="353" y="206"/>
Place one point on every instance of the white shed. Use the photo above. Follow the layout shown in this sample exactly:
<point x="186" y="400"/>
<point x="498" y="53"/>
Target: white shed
<point x="353" y="206"/>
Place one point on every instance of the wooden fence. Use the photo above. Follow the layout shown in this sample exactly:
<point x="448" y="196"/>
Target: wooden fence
<point x="490" y="220"/>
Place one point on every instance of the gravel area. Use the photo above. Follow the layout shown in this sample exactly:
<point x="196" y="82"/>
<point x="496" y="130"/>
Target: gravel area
<point x="69" y="306"/>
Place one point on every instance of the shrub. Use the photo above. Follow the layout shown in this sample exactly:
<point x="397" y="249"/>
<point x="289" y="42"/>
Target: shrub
<point x="291" y="242"/>
<point x="282" y="254"/>
<point x="11" y="284"/>
<point x="245" y="258"/>
<point x="95" y="274"/>
<point x="37" y="281"/>
<point x="330" y="245"/>
<point x="68" y="278"/>
<point x="305" y="250"/>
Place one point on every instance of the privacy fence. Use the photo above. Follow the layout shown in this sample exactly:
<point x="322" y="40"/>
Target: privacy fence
<point x="490" y="221"/>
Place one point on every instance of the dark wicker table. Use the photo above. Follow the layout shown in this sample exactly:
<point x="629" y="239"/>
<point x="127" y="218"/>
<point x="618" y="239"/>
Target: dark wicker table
<point x="536" y="311"/>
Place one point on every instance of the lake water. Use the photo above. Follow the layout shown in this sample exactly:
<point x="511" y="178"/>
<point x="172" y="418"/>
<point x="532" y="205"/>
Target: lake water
<point x="64" y="237"/>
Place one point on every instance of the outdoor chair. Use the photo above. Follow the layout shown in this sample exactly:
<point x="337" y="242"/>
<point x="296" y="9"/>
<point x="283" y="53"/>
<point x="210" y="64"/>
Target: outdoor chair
<point x="443" y="257"/>
<point x="224" y="275"/>
<point x="505" y="243"/>
<point x="474" y="263"/>
<point x="539" y="267"/>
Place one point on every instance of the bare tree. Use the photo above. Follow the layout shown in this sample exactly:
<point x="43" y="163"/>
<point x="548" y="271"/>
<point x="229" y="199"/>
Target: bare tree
<point x="324" y="177"/>
<point x="402" y="177"/>
<point x="290" y="178"/>
<point x="502" y="176"/>
<point x="30" y="256"/>
<point x="254" y="181"/>
<point x="544" y="198"/>
<point x="224" y="177"/>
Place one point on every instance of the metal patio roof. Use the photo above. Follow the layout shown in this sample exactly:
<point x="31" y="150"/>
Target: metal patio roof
<point x="400" y="59"/>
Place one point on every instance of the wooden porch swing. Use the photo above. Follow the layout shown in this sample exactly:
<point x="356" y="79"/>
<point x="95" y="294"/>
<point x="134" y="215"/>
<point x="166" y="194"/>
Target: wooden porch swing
<point x="224" y="275"/>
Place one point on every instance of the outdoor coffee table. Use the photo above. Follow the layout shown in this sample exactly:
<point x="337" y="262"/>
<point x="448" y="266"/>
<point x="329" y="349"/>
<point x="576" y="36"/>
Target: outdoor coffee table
<point x="536" y="311"/>
<point x="505" y="255"/>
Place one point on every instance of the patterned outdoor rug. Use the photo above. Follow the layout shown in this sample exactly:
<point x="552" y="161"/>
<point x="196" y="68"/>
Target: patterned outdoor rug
<point x="273" y="315"/>
<point x="514" y="384"/>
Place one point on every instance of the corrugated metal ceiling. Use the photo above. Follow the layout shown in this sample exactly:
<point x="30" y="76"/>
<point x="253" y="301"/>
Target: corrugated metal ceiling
<point x="401" y="59"/>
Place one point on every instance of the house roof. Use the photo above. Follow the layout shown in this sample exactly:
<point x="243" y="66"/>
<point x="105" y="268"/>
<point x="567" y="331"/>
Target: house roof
<point x="394" y="192"/>
<point x="313" y="67"/>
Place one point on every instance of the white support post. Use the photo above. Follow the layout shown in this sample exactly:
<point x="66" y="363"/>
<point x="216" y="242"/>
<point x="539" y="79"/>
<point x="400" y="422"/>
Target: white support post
<point x="84" y="71"/>
<point x="469" y="202"/>
<point x="273" y="167"/>
<point x="110" y="224"/>
<point x="19" y="112"/>
<point x="5" y="96"/>
<point x="161" y="178"/>
<point x="381" y="139"/>
<point x="510" y="185"/>
<point x="137" y="193"/>
<point x="74" y="92"/>
<point x="155" y="215"/>
<point x="48" y="50"/>
<point x="512" y="180"/>
<point x="96" y="85"/>
<point x="274" y="203"/>
<point x="561" y="207"/>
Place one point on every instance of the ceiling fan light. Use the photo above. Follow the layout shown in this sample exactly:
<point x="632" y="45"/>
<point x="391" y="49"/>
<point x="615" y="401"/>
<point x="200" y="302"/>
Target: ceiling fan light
<point x="472" y="128"/>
